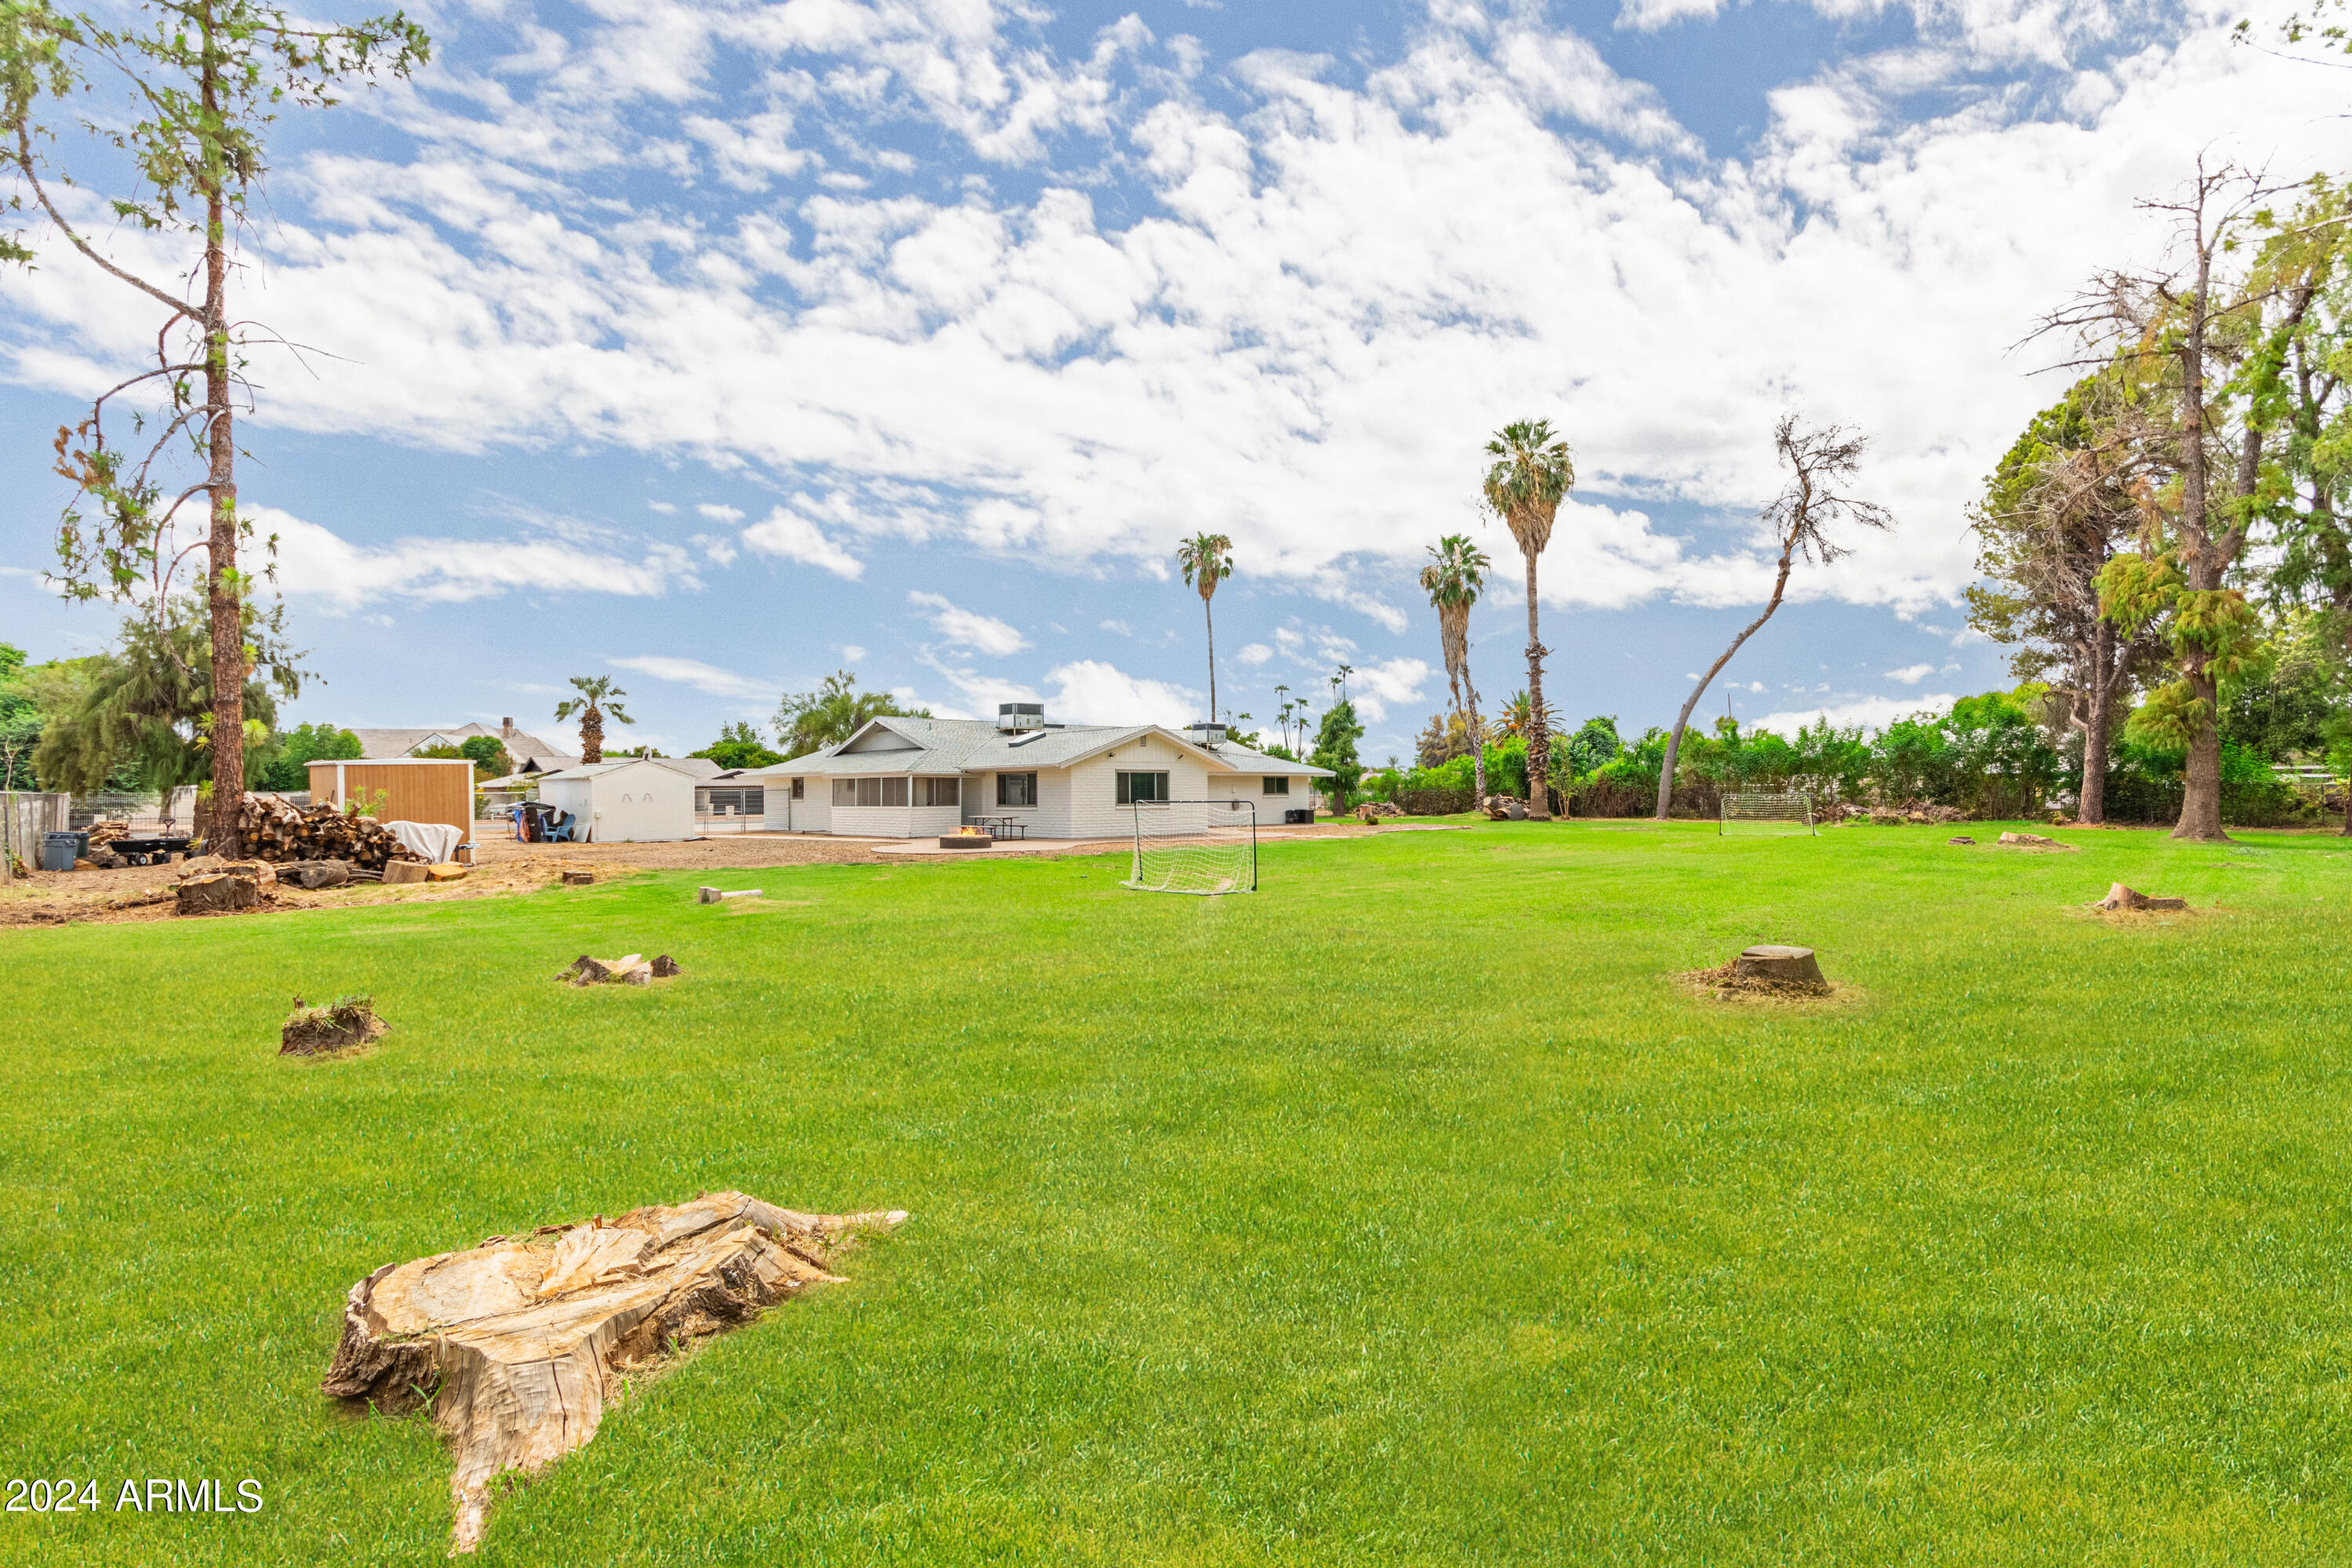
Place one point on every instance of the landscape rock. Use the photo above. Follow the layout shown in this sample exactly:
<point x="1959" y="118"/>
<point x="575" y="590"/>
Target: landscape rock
<point x="523" y="1342"/>
<point x="2122" y="897"/>
<point x="348" y="1021"/>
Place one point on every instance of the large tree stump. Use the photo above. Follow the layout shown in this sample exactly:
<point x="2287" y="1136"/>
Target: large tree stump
<point x="218" y="893"/>
<point x="1788" y="965"/>
<point x="522" y="1342"/>
<point x="2122" y="897"/>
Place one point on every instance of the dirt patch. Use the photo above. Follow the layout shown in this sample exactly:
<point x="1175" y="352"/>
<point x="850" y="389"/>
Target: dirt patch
<point x="1724" y="983"/>
<point x="344" y="1023"/>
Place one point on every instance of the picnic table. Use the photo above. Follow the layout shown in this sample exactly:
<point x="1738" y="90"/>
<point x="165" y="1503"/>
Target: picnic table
<point x="1001" y="826"/>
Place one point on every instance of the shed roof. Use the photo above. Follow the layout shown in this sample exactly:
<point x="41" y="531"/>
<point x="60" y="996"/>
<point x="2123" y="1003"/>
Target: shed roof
<point x="598" y="770"/>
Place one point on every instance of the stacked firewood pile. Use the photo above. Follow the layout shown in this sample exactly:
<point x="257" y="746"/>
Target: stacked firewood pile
<point x="272" y="830"/>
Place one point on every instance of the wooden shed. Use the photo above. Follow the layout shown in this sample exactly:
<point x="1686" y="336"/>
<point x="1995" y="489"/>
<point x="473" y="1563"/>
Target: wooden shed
<point x="412" y="789"/>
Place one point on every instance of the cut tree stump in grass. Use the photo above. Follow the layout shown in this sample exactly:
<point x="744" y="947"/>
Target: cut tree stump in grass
<point x="579" y="878"/>
<point x="2122" y="897"/>
<point x="522" y="1341"/>
<point x="631" y="969"/>
<point x="1767" y="970"/>
<point x="348" y="1021"/>
<point x="1785" y="965"/>
<point x="2032" y="841"/>
<point x="396" y="872"/>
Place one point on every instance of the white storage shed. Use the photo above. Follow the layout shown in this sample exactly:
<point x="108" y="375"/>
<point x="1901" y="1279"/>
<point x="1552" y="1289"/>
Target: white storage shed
<point x="631" y="800"/>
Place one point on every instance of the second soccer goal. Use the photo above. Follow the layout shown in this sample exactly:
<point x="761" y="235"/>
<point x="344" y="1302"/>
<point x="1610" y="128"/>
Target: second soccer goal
<point x="1769" y="811"/>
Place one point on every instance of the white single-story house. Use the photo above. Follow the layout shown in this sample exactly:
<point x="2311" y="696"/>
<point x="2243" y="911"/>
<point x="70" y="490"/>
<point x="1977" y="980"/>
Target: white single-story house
<point x="629" y="800"/>
<point x="910" y="778"/>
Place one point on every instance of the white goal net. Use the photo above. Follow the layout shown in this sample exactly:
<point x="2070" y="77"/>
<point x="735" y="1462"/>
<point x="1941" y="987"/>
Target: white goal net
<point x="1775" y="810"/>
<point x="1194" y="846"/>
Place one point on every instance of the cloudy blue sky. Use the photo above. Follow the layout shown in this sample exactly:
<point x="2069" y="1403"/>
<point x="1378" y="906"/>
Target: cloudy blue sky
<point x="719" y="345"/>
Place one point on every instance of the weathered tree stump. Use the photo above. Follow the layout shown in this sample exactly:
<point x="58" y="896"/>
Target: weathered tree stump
<point x="2122" y="897"/>
<point x="2032" y="841"/>
<point x="631" y="969"/>
<point x="218" y="893"/>
<point x="579" y="878"/>
<point x="522" y="1342"/>
<point x="349" y="1021"/>
<point x="1788" y="965"/>
<point x="1963" y="838"/>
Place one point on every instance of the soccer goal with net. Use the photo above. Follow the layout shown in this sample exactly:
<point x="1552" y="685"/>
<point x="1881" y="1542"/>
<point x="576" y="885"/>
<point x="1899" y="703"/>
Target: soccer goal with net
<point x="1772" y="811"/>
<point x="1194" y="846"/>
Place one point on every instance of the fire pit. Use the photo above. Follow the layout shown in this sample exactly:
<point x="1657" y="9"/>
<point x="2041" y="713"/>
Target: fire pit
<point x="966" y="838"/>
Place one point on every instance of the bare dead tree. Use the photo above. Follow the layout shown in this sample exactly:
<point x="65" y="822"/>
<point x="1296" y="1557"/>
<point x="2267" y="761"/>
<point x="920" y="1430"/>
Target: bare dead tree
<point x="1819" y="462"/>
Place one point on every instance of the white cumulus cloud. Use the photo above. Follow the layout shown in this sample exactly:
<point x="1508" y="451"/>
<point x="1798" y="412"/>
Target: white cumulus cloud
<point x="702" y="677"/>
<point x="960" y="628"/>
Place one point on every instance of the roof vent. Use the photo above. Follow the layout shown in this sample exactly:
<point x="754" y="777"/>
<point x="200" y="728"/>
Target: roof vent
<point x="1013" y="715"/>
<point x="1206" y="734"/>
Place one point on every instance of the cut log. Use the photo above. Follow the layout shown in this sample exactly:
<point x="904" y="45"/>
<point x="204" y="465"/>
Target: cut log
<point x="2122" y="897"/>
<point x="521" y="1342"/>
<point x="579" y="878"/>
<point x="349" y="1021"/>
<point x="1788" y="965"/>
<point x="317" y="874"/>
<point x="446" y="871"/>
<point x="218" y="893"/>
<point x="398" y="872"/>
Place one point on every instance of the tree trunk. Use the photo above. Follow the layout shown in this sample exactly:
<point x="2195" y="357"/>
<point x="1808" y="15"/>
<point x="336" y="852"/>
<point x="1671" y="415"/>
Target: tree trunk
<point x="591" y="735"/>
<point x="2201" y="798"/>
<point x="224" y="594"/>
<point x="1682" y="720"/>
<point x="1478" y="737"/>
<point x="2098" y="725"/>
<point x="1538" y="732"/>
<point x="1208" y="615"/>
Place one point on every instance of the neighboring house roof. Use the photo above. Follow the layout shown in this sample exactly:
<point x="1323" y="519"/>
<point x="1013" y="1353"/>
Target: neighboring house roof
<point x="977" y="745"/>
<point x="525" y="749"/>
<point x="702" y="768"/>
<point x="598" y="770"/>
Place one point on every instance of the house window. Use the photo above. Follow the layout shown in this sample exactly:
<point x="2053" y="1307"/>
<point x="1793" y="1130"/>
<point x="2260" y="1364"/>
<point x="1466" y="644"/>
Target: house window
<point x="894" y="792"/>
<point x="939" y="792"/>
<point x="1016" y="789"/>
<point x="1275" y="785"/>
<point x="798" y="792"/>
<point x="844" y="792"/>
<point x="1133" y="787"/>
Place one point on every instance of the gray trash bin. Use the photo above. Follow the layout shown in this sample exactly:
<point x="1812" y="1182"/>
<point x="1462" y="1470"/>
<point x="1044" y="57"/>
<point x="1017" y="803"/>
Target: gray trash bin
<point x="59" y="850"/>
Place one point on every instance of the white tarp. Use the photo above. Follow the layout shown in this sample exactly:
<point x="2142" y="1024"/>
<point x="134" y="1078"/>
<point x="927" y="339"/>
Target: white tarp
<point x="435" y="841"/>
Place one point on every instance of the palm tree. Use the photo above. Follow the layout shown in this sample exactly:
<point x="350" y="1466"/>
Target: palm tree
<point x="593" y="705"/>
<point x="1532" y="473"/>
<point x="1454" y="577"/>
<point x="1207" y="560"/>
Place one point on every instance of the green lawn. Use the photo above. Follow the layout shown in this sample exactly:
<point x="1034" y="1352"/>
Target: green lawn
<point x="1404" y="1211"/>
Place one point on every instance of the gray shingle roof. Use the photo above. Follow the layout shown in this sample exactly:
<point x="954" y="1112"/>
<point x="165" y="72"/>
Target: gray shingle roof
<point x="521" y="747"/>
<point x="977" y="745"/>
